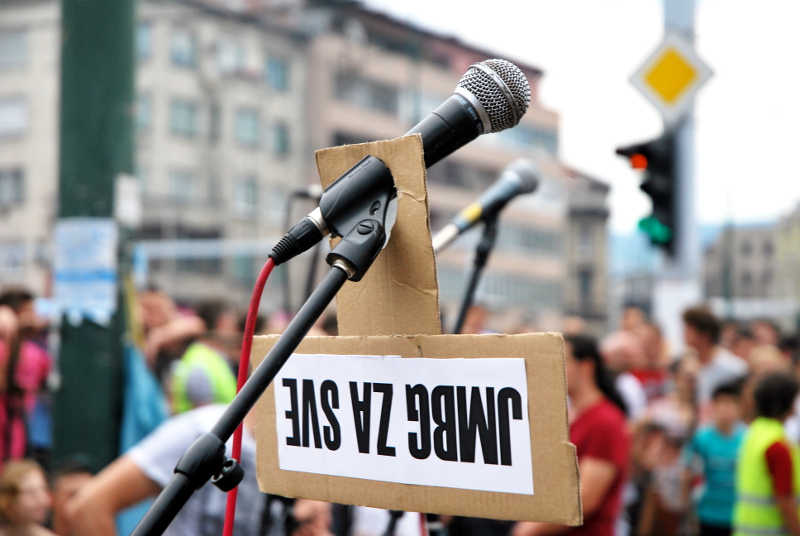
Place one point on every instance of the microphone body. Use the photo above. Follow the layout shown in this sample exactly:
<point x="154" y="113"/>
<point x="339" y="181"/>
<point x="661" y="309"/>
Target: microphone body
<point x="493" y="95"/>
<point x="520" y="177"/>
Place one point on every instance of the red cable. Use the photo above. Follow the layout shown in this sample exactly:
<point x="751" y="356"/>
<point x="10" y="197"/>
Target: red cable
<point x="244" y="365"/>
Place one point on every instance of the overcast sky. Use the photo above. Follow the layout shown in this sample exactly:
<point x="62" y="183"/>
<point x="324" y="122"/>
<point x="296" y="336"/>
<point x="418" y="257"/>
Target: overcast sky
<point x="748" y="114"/>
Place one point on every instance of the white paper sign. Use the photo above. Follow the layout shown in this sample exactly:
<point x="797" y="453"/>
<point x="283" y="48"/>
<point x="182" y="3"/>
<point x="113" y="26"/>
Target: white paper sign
<point x="85" y="279"/>
<point x="456" y="423"/>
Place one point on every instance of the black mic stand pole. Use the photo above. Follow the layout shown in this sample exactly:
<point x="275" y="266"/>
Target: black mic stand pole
<point x="205" y="459"/>
<point x="482" y="251"/>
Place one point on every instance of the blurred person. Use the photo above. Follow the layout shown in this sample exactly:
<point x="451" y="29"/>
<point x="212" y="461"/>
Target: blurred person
<point x="24" y="499"/>
<point x="712" y="453"/>
<point x="766" y="358"/>
<point x="475" y="320"/>
<point x="622" y="351"/>
<point x="145" y="469"/>
<point x="743" y="343"/>
<point x="24" y="367"/>
<point x="790" y="347"/>
<point x="65" y="483"/>
<point x="204" y="374"/>
<point x="663" y="506"/>
<point x="677" y="412"/>
<point x="573" y="325"/>
<point x="717" y="365"/>
<point x="633" y="318"/>
<point x="167" y="332"/>
<point x="654" y="373"/>
<point x="728" y="333"/>
<point x="768" y="465"/>
<point x="766" y="331"/>
<point x="599" y="433"/>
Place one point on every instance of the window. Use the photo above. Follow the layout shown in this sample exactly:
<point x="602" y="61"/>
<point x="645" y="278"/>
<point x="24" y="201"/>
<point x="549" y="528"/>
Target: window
<point x="144" y="112"/>
<point x="230" y="58"/>
<point x="280" y="138"/>
<point x="277" y="73"/>
<point x="13" y="48"/>
<point x="352" y="88"/>
<point x="585" y="289"/>
<point x="530" y="137"/>
<point x="746" y="249"/>
<point x="214" y="120"/>
<point x="183" y="117"/>
<point x="13" y="117"/>
<point x="12" y="187"/>
<point x="144" y="40"/>
<point x="182" y="186"/>
<point x="244" y="270"/>
<point x="767" y="249"/>
<point x="183" y="46"/>
<point x="12" y="257"/>
<point x="247" y="128"/>
<point x="585" y="242"/>
<point x="245" y="196"/>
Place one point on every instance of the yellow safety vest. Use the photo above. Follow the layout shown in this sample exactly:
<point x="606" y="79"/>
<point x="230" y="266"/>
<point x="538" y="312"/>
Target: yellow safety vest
<point x="756" y="513"/>
<point x="223" y="382"/>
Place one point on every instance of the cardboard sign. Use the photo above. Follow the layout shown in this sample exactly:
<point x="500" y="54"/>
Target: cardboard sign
<point x="456" y="423"/>
<point x="394" y="311"/>
<point x="552" y="465"/>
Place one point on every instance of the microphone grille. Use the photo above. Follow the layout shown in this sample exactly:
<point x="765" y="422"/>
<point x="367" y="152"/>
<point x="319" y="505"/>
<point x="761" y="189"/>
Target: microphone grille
<point x="506" y="100"/>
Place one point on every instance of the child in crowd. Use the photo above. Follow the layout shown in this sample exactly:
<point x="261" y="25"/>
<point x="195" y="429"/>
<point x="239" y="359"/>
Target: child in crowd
<point x="24" y="499"/>
<point x="715" y="447"/>
<point x="767" y="468"/>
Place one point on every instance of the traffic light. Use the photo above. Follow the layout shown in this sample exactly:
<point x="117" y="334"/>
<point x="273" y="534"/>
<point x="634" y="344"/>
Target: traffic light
<point x="657" y="159"/>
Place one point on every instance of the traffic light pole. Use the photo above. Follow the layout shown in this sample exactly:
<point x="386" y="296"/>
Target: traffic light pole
<point x="679" y="285"/>
<point x="96" y="146"/>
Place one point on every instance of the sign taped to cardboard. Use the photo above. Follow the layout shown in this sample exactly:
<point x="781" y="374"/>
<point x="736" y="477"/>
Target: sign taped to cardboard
<point x="456" y="423"/>
<point x="550" y="468"/>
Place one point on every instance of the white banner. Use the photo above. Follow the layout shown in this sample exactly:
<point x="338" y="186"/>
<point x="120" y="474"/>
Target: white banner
<point x="456" y="423"/>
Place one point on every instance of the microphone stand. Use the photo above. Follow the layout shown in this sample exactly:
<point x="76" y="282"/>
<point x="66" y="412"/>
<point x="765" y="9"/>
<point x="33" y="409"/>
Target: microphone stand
<point x="482" y="251"/>
<point x="205" y="459"/>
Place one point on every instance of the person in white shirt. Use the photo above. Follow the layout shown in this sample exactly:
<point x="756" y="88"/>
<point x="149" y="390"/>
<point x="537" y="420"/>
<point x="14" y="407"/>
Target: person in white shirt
<point x="718" y="366"/>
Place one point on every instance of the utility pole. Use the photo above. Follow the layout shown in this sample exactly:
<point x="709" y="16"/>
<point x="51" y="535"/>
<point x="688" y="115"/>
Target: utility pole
<point x="97" y="147"/>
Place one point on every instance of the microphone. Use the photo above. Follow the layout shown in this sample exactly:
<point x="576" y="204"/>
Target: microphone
<point x="519" y="177"/>
<point x="492" y="96"/>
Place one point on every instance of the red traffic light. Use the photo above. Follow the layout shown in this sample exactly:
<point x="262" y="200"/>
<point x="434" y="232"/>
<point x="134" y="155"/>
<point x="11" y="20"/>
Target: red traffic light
<point x="638" y="161"/>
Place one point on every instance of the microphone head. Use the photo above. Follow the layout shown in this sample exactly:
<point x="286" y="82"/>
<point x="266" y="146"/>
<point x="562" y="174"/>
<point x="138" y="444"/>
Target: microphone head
<point x="526" y="173"/>
<point x="501" y="88"/>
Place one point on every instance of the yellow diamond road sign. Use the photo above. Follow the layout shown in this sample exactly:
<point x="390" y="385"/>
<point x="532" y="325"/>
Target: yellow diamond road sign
<point x="671" y="77"/>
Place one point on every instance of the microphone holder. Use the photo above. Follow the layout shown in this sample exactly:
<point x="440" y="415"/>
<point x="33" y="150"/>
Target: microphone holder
<point x="482" y="252"/>
<point x="205" y="459"/>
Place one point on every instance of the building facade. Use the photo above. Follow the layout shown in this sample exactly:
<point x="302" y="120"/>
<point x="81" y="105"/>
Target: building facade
<point x="741" y="263"/>
<point x="232" y="100"/>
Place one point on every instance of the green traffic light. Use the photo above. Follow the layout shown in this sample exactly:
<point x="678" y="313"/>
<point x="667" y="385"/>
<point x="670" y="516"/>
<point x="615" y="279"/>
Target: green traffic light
<point x="657" y="231"/>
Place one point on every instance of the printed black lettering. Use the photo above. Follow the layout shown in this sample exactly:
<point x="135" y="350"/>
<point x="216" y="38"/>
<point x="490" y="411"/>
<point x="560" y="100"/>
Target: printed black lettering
<point x="386" y="412"/>
<point x="310" y="410"/>
<point x="361" y="414"/>
<point x="505" y="395"/>
<point x="444" y="435"/>
<point x="477" y="423"/>
<point x="422" y="416"/>
<point x="329" y="398"/>
<point x="294" y="440"/>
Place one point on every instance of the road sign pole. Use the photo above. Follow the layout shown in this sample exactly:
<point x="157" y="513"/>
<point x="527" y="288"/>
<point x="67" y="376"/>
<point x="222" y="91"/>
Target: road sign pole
<point x="96" y="144"/>
<point x="678" y="287"/>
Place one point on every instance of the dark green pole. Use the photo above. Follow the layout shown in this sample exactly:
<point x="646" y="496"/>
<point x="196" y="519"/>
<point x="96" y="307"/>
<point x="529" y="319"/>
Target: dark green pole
<point x="97" y="144"/>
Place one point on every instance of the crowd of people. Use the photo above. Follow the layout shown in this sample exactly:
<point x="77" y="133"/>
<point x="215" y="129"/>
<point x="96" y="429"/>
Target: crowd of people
<point x="704" y="442"/>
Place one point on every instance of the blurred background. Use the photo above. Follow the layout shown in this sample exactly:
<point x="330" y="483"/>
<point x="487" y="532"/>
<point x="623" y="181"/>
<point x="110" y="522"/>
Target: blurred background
<point x="153" y="152"/>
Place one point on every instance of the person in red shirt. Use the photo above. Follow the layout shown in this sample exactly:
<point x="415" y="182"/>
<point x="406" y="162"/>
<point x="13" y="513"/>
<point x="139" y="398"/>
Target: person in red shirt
<point x="599" y="432"/>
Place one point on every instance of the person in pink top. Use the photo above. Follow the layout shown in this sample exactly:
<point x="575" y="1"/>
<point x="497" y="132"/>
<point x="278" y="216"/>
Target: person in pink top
<point x="24" y="367"/>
